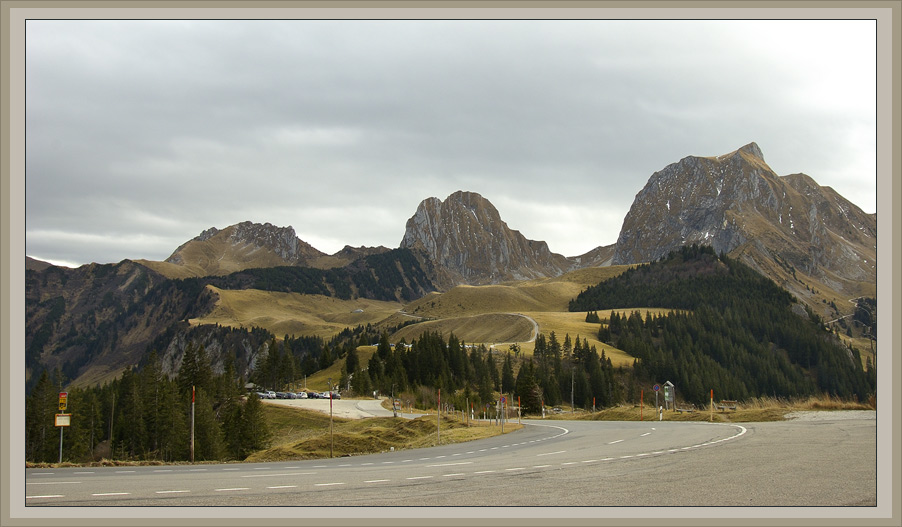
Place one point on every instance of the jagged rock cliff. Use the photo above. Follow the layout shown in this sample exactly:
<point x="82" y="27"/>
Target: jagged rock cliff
<point x="737" y="204"/>
<point x="468" y="243"/>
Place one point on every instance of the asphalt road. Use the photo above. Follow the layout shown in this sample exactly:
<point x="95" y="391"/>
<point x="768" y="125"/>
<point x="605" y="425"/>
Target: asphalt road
<point x="830" y="462"/>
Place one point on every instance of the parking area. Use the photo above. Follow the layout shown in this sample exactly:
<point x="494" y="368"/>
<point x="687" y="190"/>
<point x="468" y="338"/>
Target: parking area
<point x="347" y="408"/>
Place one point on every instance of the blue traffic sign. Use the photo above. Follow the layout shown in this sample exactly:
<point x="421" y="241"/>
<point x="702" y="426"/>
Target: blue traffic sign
<point x="656" y="388"/>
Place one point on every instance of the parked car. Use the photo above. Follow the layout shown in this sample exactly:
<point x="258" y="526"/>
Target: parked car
<point x="270" y="394"/>
<point x="262" y="395"/>
<point x="301" y="395"/>
<point x="313" y="395"/>
<point x="336" y="395"/>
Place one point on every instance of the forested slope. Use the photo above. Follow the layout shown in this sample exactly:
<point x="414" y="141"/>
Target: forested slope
<point x="736" y="332"/>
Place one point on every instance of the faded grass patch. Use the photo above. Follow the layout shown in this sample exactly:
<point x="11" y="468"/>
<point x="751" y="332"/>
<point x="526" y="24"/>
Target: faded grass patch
<point x="303" y="434"/>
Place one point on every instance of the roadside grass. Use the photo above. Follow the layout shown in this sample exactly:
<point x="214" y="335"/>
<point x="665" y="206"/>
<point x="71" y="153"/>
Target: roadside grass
<point x="760" y="409"/>
<point x="300" y="434"/>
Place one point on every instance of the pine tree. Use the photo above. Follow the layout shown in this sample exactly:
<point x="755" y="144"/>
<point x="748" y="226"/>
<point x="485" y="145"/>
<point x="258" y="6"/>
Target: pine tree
<point x="208" y="442"/>
<point x="507" y="375"/>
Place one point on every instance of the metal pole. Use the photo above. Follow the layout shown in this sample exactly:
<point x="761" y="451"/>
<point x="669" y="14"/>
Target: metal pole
<point x="438" y="413"/>
<point x="331" y="429"/>
<point x="192" y="424"/>
<point x="572" y="406"/>
<point x="61" y="444"/>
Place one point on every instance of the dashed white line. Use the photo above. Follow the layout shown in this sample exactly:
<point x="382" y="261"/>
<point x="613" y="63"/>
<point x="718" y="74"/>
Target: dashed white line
<point x="450" y="475"/>
<point x="277" y="475"/>
<point x="551" y="453"/>
<point x="484" y="472"/>
<point x="645" y="434"/>
<point x="231" y="489"/>
<point x="421" y="477"/>
<point x="171" y="491"/>
<point x="111" y="494"/>
<point x="283" y="487"/>
<point x="328" y="484"/>
<point x="451" y="464"/>
<point x="615" y="442"/>
<point x="44" y="496"/>
<point x="53" y="482"/>
<point x="377" y="481"/>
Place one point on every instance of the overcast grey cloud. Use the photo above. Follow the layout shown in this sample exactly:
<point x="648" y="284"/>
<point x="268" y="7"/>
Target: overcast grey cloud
<point x="141" y="134"/>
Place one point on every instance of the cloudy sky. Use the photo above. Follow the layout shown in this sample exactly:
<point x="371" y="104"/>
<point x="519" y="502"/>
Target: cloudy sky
<point x="141" y="134"/>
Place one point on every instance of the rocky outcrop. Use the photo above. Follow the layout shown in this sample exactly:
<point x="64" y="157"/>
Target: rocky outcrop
<point x="737" y="204"/>
<point x="468" y="243"/>
<point x="242" y="246"/>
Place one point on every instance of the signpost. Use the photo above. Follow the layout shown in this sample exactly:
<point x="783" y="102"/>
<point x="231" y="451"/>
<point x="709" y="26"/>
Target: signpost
<point x="656" y="388"/>
<point x="62" y="420"/>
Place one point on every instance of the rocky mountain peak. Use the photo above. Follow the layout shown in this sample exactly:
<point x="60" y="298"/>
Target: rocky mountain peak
<point x="469" y="243"/>
<point x="737" y="203"/>
<point x="241" y="246"/>
<point x="752" y="149"/>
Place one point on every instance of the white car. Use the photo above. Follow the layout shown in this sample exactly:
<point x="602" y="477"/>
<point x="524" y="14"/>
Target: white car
<point x="302" y="395"/>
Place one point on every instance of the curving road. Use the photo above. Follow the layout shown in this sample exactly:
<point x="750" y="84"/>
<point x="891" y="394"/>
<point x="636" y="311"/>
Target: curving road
<point x="547" y="463"/>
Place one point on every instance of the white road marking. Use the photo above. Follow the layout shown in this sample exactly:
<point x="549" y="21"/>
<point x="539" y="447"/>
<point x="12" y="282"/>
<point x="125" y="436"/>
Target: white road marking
<point x="540" y="466"/>
<point x="82" y="472"/>
<point x="451" y="464"/>
<point x="111" y="494"/>
<point x="328" y="484"/>
<point x="421" y="477"/>
<point x="283" y="487"/>
<point x="53" y="482"/>
<point x="171" y="491"/>
<point x="127" y="471"/>
<point x="645" y="434"/>
<point x="516" y="468"/>
<point x="170" y="470"/>
<point x="551" y="453"/>
<point x="484" y="472"/>
<point x="450" y="475"/>
<point x="377" y="481"/>
<point x="615" y="442"/>
<point x="45" y="496"/>
<point x="227" y="490"/>
<point x="276" y="475"/>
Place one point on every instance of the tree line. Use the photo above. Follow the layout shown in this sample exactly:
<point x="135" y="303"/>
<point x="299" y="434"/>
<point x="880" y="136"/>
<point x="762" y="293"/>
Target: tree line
<point x="732" y="330"/>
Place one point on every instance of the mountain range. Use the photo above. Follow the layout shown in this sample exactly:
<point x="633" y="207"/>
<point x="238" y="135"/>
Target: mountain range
<point x="807" y="238"/>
